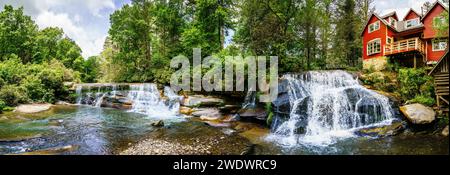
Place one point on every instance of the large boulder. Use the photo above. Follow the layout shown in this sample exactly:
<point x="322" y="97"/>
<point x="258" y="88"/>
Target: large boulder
<point x="33" y="108"/>
<point x="418" y="114"/>
<point x="201" y="101"/>
<point x="445" y="131"/>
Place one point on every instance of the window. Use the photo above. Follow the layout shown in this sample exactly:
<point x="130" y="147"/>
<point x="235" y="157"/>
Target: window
<point x="374" y="26"/>
<point x="392" y="21"/>
<point x="389" y="40"/>
<point x="374" y="46"/>
<point x="412" y="22"/>
<point x="439" y="44"/>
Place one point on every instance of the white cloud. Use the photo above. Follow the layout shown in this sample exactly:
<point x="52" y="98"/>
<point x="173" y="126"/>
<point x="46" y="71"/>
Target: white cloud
<point x="400" y="6"/>
<point x="88" y="43"/>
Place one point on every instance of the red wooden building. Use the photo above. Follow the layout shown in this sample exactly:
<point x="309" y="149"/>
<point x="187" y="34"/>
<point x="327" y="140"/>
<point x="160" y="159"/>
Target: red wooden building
<point x="411" y="41"/>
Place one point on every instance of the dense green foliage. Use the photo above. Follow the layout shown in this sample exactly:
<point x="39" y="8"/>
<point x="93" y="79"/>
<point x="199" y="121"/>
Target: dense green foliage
<point x="305" y="34"/>
<point x="34" y="64"/>
<point x="441" y="24"/>
<point x="2" y="106"/>
<point x="34" y="82"/>
<point x="416" y="86"/>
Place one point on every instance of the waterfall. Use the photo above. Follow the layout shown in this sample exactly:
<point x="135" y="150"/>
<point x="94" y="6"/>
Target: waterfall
<point x="250" y="100"/>
<point x="79" y="95"/>
<point x="328" y="105"/>
<point x="145" y="99"/>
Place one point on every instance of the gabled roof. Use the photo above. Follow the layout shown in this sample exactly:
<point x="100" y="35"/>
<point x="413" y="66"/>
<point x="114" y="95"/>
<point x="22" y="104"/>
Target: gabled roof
<point x="393" y="14"/>
<point x="411" y="11"/>
<point x="439" y="62"/>
<point x="433" y="6"/>
<point x="379" y="18"/>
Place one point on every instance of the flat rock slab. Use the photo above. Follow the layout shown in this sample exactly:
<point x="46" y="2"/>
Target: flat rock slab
<point x="33" y="108"/>
<point x="207" y="113"/>
<point x="418" y="114"/>
<point x="201" y="101"/>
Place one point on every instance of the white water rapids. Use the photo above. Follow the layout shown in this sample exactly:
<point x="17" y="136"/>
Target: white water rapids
<point x="145" y="99"/>
<point x="326" y="106"/>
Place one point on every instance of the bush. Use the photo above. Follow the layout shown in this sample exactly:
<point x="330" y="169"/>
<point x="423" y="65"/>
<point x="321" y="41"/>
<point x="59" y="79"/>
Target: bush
<point x="423" y="99"/>
<point x="12" y="95"/>
<point x="34" y="82"/>
<point x="36" y="91"/>
<point x="2" y="106"/>
<point x="416" y="85"/>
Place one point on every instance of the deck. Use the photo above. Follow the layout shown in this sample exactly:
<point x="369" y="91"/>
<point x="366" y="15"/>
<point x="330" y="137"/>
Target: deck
<point x="403" y="46"/>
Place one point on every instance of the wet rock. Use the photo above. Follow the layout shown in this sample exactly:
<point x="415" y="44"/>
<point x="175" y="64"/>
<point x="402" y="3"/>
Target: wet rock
<point x="20" y="138"/>
<point x="159" y="123"/>
<point x="52" y="151"/>
<point x="256" y="113"/>
<point x="210" y="114"/>
<point x="217" y="124"/>
<point x="201" y="101"/>
<point x="229" y="108"/>
<point x="56" y="122"/>
<point x="445" y="131"/>
<point x="33" y="108"/>
<point x="249" y="150"/>
<point x="185" y="110"/>
<point x="383" y="131"/>
<point x="3" y="118"/>
<point x="418" y="114"/>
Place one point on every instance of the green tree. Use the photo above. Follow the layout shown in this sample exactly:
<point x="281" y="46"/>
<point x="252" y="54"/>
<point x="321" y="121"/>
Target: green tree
<point x="17" y="33"/>
<point x="441" y="24"/>
<point x="90" y="70"/>
<point x="46" y="44"/>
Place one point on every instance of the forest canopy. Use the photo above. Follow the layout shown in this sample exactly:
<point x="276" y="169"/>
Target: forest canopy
<point x="304" y="34"/>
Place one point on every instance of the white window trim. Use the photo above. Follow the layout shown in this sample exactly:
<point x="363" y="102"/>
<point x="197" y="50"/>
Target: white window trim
<point x="372" y="41"/>
<point x="415" y="19"/>
<point x="387" y="39"/>
<point x="374" y="24"/>
<point x="438" y="41"/>
<point x="391" y="19"/>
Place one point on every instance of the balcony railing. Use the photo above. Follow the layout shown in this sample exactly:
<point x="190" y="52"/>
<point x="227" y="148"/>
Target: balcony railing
<point x="402" y="46"/>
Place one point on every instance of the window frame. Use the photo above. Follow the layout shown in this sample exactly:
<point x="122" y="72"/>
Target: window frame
<point x="389" y="38"/>
<point x="373" y="47"/>
<point x="438" y="42"/>
<point x="391" y="19"/>
<point x="374" y="24"/>
<point x="409" y="20"/>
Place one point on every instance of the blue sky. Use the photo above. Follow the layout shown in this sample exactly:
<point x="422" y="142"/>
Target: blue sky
<point x="87" y="21"/>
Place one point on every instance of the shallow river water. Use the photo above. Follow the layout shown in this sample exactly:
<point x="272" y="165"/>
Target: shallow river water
<point x="90" y="130"/>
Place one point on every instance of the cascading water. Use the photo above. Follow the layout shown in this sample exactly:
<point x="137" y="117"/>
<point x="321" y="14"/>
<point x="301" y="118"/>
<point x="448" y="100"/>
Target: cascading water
<point x="250" y="100"/>
<point x="79" y="95"/>
<point x="144" y="98"/>
<point x="147" y="100"/>
<point x="328" y="105"/>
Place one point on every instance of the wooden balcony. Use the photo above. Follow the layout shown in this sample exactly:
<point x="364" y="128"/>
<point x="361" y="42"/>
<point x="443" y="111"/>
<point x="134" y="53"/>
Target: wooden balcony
<point x="403" y="46"/>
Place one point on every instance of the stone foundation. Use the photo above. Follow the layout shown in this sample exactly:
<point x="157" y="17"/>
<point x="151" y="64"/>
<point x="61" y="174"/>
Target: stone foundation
<point x="377" y="64"/>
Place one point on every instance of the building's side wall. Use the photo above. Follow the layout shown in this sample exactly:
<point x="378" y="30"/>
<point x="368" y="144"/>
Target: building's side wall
<point x="429" y="33"/>
<point x="381" y="33"/>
